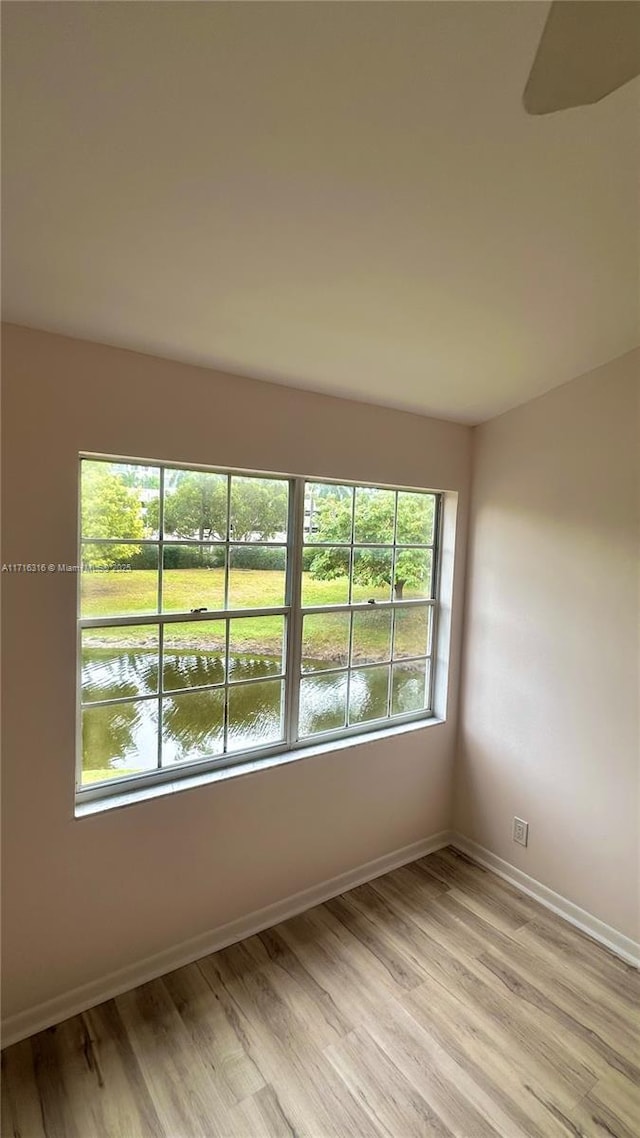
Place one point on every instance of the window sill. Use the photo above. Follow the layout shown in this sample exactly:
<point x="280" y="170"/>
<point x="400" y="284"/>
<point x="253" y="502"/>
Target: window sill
<point x="192" y="782"/>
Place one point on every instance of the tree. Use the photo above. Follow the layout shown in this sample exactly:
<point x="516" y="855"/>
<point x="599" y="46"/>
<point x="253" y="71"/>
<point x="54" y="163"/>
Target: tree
<point x="139" y="477"/>
<point x="374" y="523"/>
<point x="258" y="508"/>
<point x="196" y="506"/>
<point x="109" y="510"/>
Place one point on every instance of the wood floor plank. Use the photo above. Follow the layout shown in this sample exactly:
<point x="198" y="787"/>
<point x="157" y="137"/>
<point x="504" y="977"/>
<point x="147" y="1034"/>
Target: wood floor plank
<point x="435" y="919"/>
<point x="369" y="933"/>
<point x="585" y="1045"/>
<point x="436" y="1002"/>
<point x="574" y="995"/>
<point x="458" y="922"/>
<point x="21" y="1107"/>
<point x="58" y="1112"/>
<point x="552" y="963"/>
<point x="332" y="966"/>
<point x="289" y="963"/>
<point x="96" y="1108"/>
<point x="297" y="986"/>
<point x="439" y="1077"/>
<point x="446" y="961"/>
<point x="82" y="1081"/>
<point x="338" y="970"/>
<point x="387" y="1097"/>
<point x="386" y="970"/>
<point x="336" y="1010"/>
<point x="591" y="1002"/>
<point x="417" y="883"/>
<point x="557" y="938"/>
<point x="199" y="1007"/>
<point x="619" y="1097"/>
<point x="529" y="1090"/>
<point x="561" y="963"/>
<point x="123" y="1086"/>
<point x="493" y="898"/>
<point x="597" y="1120"/>
<point x="531" y="994"/>
<point x="465" y="1103"/>
<point x="393" y="922"/>
<point x="263" y="1116"/>
<point x="310" y="1096"/>
<point x="350" y="971"/>
<point x="179" y="1082"/>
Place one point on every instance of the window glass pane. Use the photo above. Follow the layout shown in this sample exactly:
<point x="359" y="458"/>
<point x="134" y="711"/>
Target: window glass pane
<point x="409" y="687"/>
<point x="256" y="647"/>
<point x="375" y="513"/>
<point x="411" y="631"/>
<point x="259" y="509"/>
<point x="413" y="573"/>
<point x="217" y="685"/>
<point x="193" y="654"/>
<point x="325" y="578"/>
<point x="323" y="703"/>
<point x="119" y="739"/>
<point x="255" y="715"/>
<point x="192" y="726"/>
<point x="328" y="513"/>
<point x="119" y="500"/>
<point x="371" y="640"/>
<point x="372" y="574"/>
<point x="368" y="694"/>
<point x="118" y="580"/>
<point x="193" y="577"/>
<point x="416" y="514"/>
<point x="119" y="662"/>
<point x="195" y="505"/>
<point x="256" y="577"/>
<point x="325" y="641"/>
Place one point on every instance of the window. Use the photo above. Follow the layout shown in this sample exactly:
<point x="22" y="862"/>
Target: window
<point x="225" y="616"/>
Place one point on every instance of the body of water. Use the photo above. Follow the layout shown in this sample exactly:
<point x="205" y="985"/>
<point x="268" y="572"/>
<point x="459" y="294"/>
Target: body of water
<point x="124" y="737"/>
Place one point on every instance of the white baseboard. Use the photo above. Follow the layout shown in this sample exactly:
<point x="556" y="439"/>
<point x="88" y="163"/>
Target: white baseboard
<point x="23" y="1024"/>
<point x="623" y="946"/>
<point x="80" y="999"/>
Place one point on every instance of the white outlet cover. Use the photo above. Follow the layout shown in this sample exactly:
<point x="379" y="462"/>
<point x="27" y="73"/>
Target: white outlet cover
<point x="520" y="831"/>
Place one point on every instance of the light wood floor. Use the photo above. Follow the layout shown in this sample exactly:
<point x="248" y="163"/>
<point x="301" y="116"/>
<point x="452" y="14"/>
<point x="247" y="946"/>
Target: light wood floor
<point x="435" y="1001"/>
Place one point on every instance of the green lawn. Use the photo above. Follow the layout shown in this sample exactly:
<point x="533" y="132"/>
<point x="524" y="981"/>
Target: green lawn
<point x="89" y="776"/>
<point x="124" y="661"/>
<point x="135" y="591"/>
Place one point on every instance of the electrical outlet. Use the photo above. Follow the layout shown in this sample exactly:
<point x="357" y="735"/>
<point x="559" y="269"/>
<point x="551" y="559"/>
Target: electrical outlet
<point x="520" y="831"/>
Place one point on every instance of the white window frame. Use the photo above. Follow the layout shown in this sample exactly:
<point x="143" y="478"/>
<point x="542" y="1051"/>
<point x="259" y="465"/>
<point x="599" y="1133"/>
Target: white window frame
<point x="293" y="612"/>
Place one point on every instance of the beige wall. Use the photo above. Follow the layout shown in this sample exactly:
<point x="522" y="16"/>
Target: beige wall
<point x="85" y="896"/>
<point x="549" y="726"/>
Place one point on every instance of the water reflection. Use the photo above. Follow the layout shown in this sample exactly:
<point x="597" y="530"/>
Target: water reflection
<point x="123" y="738"/>
<point x="253" y="667"/>
<point x="255" y="715"/>
<point x="119" y="738"/>
<point x="109" y="673"/>
<point x="191" y="670"/>
<point x="368" y="694"/>
<point x="323" y="703"/>
<point x="192" y="725"/>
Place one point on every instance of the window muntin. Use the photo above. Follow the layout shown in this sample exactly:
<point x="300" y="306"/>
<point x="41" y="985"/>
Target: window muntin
<point x="224" y="615"/>
<point x="376" y="580"/>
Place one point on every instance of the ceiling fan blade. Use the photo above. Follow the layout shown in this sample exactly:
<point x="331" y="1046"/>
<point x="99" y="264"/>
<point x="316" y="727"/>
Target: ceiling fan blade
<point x="588" y="49"/>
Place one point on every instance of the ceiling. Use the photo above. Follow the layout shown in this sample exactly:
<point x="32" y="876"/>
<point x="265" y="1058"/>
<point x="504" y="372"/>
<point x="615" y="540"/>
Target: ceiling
<point x="343" y="197"/>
